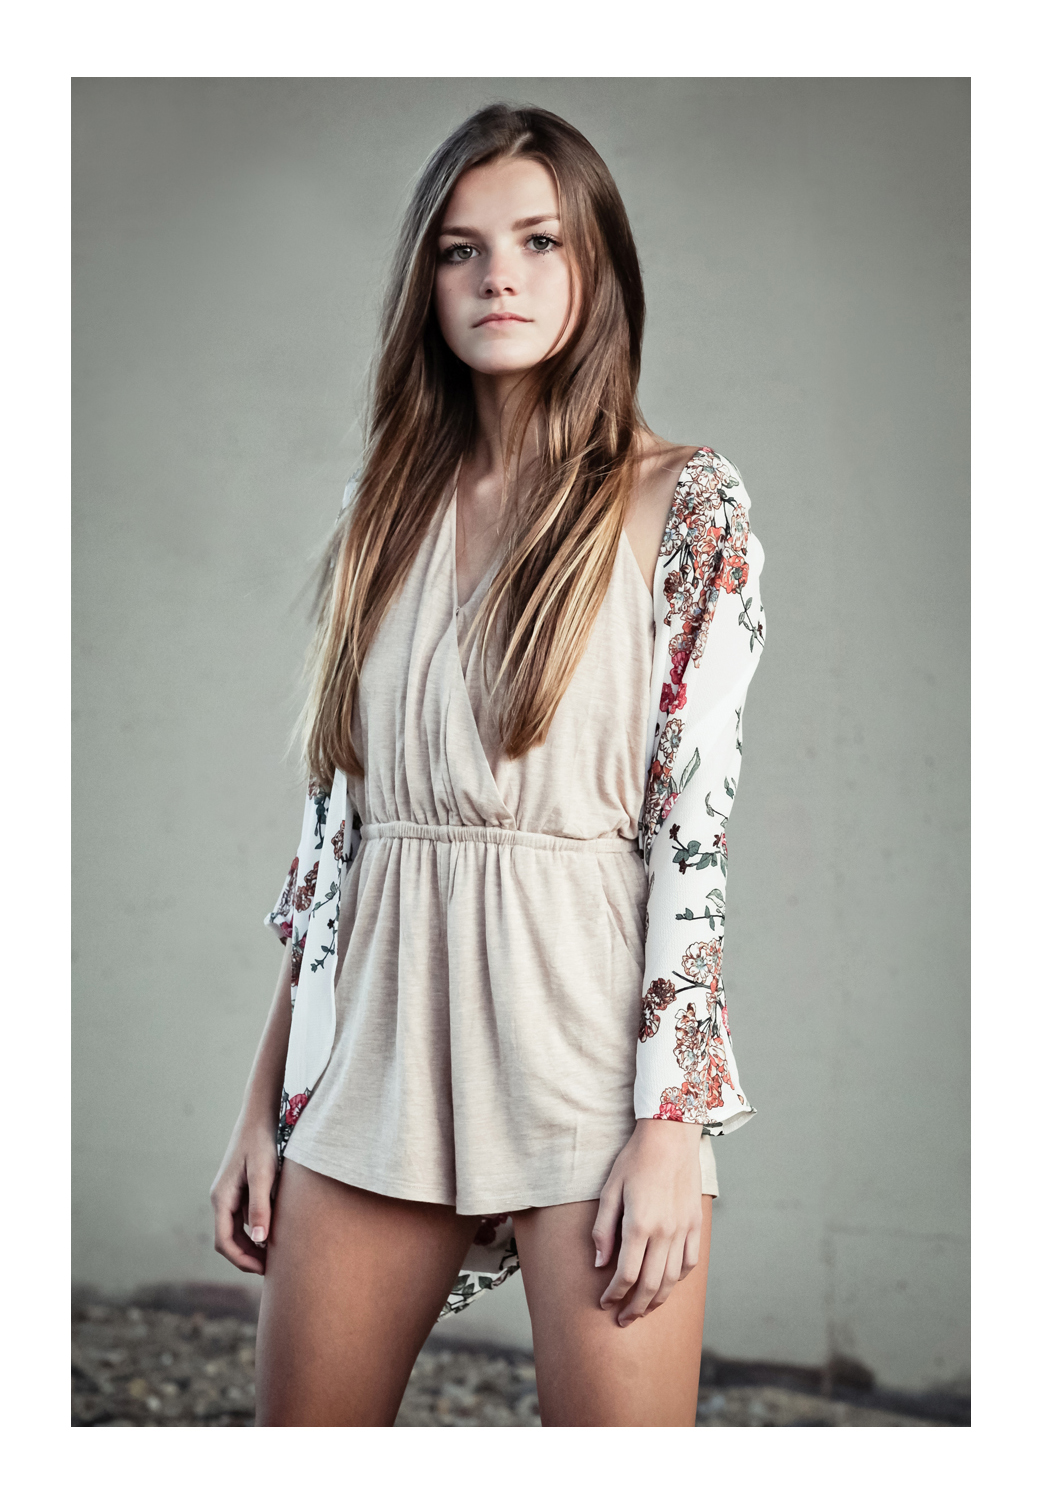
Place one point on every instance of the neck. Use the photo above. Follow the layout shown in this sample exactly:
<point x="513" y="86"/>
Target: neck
<point x="497" y="402"/>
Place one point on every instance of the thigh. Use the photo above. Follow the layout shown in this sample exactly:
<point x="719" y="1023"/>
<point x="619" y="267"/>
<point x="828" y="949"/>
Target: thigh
<point x="590" y="1372"/>
<point x="354" y="1283"/>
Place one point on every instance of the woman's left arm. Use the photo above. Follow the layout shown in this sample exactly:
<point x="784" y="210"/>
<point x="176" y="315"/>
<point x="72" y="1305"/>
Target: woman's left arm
<point x="708" y="646"/>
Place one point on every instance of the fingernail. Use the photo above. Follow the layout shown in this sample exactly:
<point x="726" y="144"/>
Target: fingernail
<point x="626" y="1322"/>
<point x="258" y="1234"/>
<point x="598" y="1258"/>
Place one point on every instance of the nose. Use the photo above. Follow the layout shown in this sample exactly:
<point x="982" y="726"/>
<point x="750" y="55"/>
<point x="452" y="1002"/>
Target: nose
<point x="497" y="277"/>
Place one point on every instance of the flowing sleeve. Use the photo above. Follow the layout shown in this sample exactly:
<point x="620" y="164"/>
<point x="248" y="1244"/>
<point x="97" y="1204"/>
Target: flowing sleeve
<point x="707" y="648"/>
<point x="297" y="894"/>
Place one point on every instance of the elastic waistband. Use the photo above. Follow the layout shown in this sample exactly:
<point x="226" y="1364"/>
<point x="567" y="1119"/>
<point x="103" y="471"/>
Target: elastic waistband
<point x="498" y="836"/>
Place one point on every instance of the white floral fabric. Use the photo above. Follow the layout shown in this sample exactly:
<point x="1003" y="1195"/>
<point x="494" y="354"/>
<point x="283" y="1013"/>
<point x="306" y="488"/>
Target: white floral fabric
<point x="708" y="642"/>
<point x="710" y="631"/>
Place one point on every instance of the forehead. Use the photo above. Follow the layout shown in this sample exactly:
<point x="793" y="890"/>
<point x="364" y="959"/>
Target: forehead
<point x="509" y="189"/>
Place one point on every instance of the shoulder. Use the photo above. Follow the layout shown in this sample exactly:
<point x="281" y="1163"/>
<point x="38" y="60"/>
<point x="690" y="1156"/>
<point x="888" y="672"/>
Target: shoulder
<point x="670" y="472"/>
<point x="709" y="475"/>
<point x="673" y="479"/>
<point x="661" y="465"/>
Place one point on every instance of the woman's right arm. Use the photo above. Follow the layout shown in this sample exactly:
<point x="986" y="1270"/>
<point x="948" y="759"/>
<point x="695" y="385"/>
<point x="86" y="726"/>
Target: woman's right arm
<point x="240" y="1193"/>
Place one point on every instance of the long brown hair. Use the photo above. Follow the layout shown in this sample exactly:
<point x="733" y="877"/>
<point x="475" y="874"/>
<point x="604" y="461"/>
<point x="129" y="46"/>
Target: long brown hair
<point x="566" y="520"/>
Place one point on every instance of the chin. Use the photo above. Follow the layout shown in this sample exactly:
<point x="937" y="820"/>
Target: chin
<point x="498" y="359"/>
<point x="505" y="363"/>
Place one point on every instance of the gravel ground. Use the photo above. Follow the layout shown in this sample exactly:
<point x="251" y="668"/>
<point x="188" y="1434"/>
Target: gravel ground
<point x="135" y="1367"/>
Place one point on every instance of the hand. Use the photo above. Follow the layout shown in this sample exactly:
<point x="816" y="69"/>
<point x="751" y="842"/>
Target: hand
<point x="240" y="1195"/>
<point x="655" y="1184"/>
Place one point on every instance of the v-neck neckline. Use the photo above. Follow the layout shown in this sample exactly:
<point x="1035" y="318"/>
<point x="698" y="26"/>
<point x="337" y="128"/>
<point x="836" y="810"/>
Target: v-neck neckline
<point x="650" y="592"/>
<point x="459" y="606"/>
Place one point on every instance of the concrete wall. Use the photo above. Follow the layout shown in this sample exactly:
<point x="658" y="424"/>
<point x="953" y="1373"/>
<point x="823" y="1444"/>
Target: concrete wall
<point x="805" y="250"/>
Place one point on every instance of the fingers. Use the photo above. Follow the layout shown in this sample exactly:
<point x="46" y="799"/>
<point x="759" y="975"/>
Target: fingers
<point x="649" y="1283"/>
<point x="603" y="1233"/>
<point x="228" y="1199"/>
<point x="691" y="1252"/>
<point x="260" y="1185"/>
<point x="233" y="1243"/>
<point x="672" y="1274"/>
<point x="648" y="1271"/>
<point x="628" y="1267"/>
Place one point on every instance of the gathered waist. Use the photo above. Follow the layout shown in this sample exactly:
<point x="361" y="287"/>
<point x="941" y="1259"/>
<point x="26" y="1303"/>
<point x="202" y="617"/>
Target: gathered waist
<point x="498" y="836"/>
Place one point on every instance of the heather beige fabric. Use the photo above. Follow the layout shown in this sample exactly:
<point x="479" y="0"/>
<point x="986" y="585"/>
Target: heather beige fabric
<point x="491" y="942"/>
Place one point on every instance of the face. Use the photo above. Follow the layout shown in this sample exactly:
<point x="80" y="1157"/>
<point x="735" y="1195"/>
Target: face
<point x="502" y="284"/>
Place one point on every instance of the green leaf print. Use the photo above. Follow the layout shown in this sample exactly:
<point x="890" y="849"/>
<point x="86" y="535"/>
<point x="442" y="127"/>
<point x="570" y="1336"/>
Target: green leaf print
<point x="690" y="769"/>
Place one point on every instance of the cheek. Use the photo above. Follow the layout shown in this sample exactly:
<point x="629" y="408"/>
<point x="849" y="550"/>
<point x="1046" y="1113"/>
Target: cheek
<point x="442" y="300"/>
<point x="449" y="297"/>
<point x="553" y="285"/>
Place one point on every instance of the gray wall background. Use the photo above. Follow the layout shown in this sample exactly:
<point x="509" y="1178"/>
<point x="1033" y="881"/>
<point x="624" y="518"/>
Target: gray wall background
<point x="805" y="250"/>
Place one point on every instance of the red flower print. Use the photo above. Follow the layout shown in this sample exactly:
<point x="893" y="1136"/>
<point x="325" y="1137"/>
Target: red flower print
<point x="337" y="842"/>
<point x="659" y="994"/>
<point x="739" y="529"/>
<point x="296" y="1104"/>
<point x="717" y="1074"/>
<point x="298" y="947"/>
<point x="672" y="699"/>
<point x="669" y="1106"/>
<point x="284" y="904"/>
<point x="688" y="1047"/>
<point x="681" y="646"/>
<point x="304" y="895"/>
<point x="707" y="549"/>
<point x="659" y="794"/>
<point x="732" y="574"/>
<point x="679" y="598"/>
<point x="486" y="1234"/>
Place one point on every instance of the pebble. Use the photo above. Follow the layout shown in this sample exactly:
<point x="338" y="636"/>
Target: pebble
<point x="133" y="1367"/>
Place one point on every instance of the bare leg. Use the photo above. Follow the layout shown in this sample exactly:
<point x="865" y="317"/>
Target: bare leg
<point x="590" y="1372"/>
<point x="354" y="1283"/>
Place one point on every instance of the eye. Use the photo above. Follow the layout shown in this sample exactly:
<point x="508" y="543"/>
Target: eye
<point x="549" y="243"/>
<point x="452" y="253"/>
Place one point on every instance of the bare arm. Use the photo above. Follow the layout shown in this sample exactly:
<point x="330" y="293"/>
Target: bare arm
<point x="240" y="1193"/>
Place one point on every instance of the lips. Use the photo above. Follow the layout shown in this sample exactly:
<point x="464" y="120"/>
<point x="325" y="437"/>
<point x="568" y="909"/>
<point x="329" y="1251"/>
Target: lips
<point x="502" y="319"/>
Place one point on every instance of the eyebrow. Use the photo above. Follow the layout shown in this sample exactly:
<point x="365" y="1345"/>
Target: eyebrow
<point x="535" y="219"/>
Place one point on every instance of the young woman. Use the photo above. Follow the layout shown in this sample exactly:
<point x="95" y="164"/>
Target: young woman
<point x="504" y="923"/>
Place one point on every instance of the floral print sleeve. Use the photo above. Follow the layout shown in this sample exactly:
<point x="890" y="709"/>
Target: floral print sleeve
<point x="709" y="641"/>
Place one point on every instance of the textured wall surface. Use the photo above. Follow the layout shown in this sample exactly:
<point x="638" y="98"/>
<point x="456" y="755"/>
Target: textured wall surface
<point x="804" y="244"/>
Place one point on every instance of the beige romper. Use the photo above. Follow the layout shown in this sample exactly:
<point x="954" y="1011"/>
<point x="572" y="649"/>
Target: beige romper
<point x="491" y="944"/>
